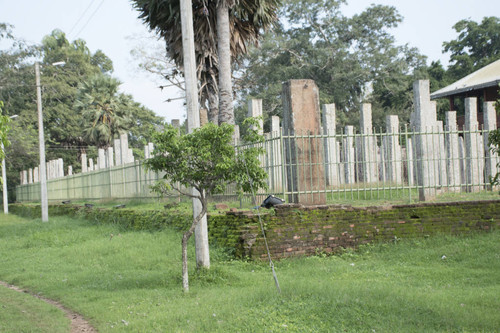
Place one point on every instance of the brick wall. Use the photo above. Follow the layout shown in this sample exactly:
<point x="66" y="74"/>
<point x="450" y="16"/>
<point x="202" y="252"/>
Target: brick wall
<point x="297" y="230"/>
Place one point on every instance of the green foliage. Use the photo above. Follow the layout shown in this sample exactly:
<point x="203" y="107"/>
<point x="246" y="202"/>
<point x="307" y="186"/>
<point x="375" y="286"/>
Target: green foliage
<point x="477" y="45"/>
<point x="206" y="160"/>
<point x="494" y="139"/>
<point x="105" y="113"/>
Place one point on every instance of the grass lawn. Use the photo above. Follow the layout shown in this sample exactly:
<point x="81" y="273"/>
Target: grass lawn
<point x="124" y="281"/>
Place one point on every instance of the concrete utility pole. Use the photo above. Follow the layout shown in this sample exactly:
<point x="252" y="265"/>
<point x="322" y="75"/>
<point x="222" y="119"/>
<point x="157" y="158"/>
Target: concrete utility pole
<point x="193" y="118"/>
<point x="41" y="138"/>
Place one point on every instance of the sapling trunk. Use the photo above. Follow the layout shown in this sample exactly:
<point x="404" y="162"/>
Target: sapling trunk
<point x="185" y="239"/>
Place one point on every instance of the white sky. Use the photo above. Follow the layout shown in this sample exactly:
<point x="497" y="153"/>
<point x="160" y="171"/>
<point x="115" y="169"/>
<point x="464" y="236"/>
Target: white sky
<point x="109" y="25"/>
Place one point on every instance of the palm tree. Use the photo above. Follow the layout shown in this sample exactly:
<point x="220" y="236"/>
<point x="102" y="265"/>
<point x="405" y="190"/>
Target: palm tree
<point x="105" y="112"/>
<point x="245" y="21"/>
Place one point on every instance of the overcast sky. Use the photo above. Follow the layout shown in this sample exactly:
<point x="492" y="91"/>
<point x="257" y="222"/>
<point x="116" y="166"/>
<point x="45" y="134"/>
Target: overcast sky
<point x="113" y="27"/>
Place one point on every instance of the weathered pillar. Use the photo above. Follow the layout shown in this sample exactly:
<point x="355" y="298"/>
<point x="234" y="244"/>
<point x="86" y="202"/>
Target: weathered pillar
<point x="151" y="148"/>
<point x="91" y="164"/>
<point x="490" y="124"/>
<point x="473" y="171"/>
<point x="441" y="155"/>
<point x="124" y="148"/>
<point x="410" y="160"/>
<point x="331" y="144"/>
<point x="25" y="177"/>
<point x="84" y="163"/>
<point x="368" y="167"/>
<point x="36" y="175"/>
<point x="254" y="111"/>
<point x="118" y="152"/>
<point x="304" y="156"/>
<point x="461" y="161"/>
<point x="146" y="152"/>
<point x="30" y="176"/>
<point x="349" y="155"/>
<point x="424" y="122"/>
<point x="176" y="123"/>
<point x="109" y="157"/>
<point x="452" y="155"/>
<point x="70" y="170"/>
<point x="393" y="150"/>
<point x="276" y="156"/>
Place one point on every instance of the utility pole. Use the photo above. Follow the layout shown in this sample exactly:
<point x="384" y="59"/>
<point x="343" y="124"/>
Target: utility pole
<point x="193" y="118"/>
<point x="41" y="138"/>
<point x="4" y="189"/>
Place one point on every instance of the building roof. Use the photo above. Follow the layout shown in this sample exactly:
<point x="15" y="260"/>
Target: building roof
<point x="488" y="76"/>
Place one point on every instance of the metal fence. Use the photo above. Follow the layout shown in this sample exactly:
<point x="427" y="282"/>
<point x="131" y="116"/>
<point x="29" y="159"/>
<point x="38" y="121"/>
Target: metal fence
<point x="395" y="165"/>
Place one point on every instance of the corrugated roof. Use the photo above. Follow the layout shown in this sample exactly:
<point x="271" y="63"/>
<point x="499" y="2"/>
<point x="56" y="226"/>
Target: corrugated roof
<point x="488" y="76"/>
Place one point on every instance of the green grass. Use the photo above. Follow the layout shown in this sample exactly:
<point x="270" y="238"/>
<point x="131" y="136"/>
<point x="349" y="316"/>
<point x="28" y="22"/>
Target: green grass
<point x="131" y="283"/>
<point x="21" y="312"/>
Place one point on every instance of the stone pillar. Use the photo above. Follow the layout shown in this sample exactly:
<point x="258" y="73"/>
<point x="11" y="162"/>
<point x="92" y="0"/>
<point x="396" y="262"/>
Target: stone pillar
<point x="410" y="167"/>
<point x="30" y="176"/>
<point x="101" y="159"/>
<point x="130" y="157"/>
<point x="146" y="152"/>
<point x="348" y="154"/>
<point x="109" y="157"/>
<point x="236" y="135"/>
<point x="124" y="148"/>
<point x="91" y="164"/>
<point x="368" y="162"/>
<point x="151" y="147"/>
<point x="118" y="152"/>
<point x="473" y="171"/>
<point x="276" y="156"/>
<point x="176" y="123"/>
<point x="424" y="122"/>
<point x="461" y="159"/>
<point x="393" y="150"/>
<point x="304" y="156"/>
<point x="70" y="170"/>
<point x="441" y="155"/>
<point x="25" y="177"/>
<point x="254" y="111"/>
<point x="331" y="145"/>
<point x="452" y="156"/>
<point x="490" y="124"/>
<point x="36" y="175"/>
<point x="84" y="163"/>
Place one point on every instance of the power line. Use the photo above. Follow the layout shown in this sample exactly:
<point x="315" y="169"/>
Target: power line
<point x="90" y="18"/>
<point x="85" y="12"/>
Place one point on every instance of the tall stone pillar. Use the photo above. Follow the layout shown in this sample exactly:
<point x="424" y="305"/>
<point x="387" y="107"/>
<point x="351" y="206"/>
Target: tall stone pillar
<point x="490" y="124"/>
<point x="118" y="152"/>
<point x="276" y="156"/>
<point x="349" y="155"/>
<point x="124" y="148"/>
<point x="441" y="155"/>
<point x="368" y="161"/>
<point x="109" y="157"/>
<point x="151" y="147"/>
<point x="331" y="145"/>
<point x="36" y="175"/>
<point x="30" y="176"/>
<point x="70" y="170"/>
<point x="25" y="177"/>
<point x="473" y="147"/>
<point x="255" y="110"/>
<point x="393" y="150"/>
<point x="410" y="167"/>
<point x="146" y="152"/>
<point x="424" y="121"/>
<point x="451" y="154"/>
<point x="84" y="162"/>
<point x="176" y="123"/>
<point x="91" y="164"/>
<point x="304" y="156"/>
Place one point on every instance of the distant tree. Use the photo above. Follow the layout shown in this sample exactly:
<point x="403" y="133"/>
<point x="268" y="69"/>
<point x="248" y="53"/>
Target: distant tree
<point x="477" y="45"/>
<point x="105" y="112"/>
<point x="343" y="55"/>
<point x="207" y="161"/>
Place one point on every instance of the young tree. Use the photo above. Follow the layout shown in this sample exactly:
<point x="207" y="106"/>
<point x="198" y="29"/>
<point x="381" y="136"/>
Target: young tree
<point x="207" y="161"/>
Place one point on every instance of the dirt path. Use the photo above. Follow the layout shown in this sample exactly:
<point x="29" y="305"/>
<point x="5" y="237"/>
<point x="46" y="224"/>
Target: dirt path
<point x="78" y="323"/>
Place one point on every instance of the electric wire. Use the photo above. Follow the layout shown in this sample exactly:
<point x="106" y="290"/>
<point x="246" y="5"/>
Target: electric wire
<point x="90" y="18"/>
<point x="81" y="16"/>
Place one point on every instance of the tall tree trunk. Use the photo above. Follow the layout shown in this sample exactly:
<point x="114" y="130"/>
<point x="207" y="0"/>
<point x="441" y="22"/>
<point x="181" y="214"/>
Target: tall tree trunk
<point x="226" y="112"/>
<point x="213" y="105"/>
